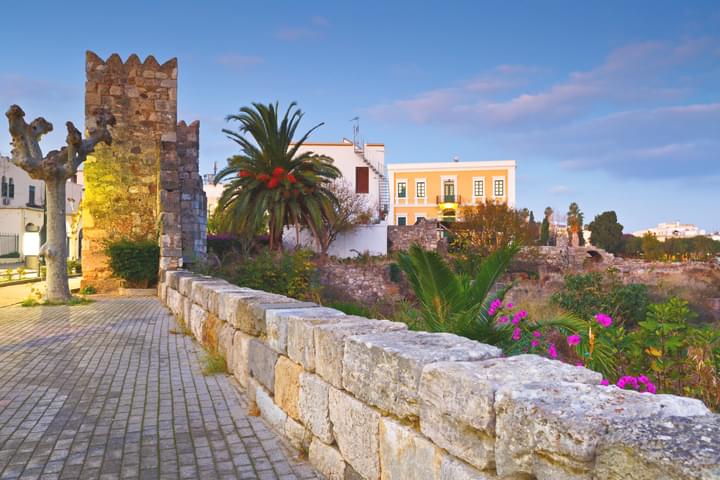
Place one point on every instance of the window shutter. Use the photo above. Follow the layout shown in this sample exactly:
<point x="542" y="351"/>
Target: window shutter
<point x="362" y="180"/>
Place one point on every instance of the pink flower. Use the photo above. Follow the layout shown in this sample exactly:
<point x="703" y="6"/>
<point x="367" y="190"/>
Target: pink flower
<point x="552" y="351"/>
<point x="603" y="319"/>
<point x="650" y="388"/>
<point x="509" y="305"/>
<point x="517" y="333"/>
<point x="503" y="319"/>
<point x="534" y="343"/>
<point x="604" y="382"/>
<point x="497" y="303"/>
<point x="492" y="311"/>
<point x="537" y="334"/>
<point x="579" y="364"/>
<point x="643" y="379"/>
<point x="573" y="340"/>
<point x="515" y="319"/>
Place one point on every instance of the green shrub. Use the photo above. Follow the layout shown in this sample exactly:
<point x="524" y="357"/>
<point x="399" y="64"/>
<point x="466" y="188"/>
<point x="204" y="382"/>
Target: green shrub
<point x="135" y="262"/>
<point x="88" y="290"/>
<point x="590" y="293"/>
<point x="73" y="267"/>
<point x="395" y="273"/>
<point x="10" y="255"/>
<point x="351" y="308"/>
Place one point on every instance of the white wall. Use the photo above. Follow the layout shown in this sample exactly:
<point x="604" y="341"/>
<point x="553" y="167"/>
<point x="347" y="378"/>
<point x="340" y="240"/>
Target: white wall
<point x="371" y="238"/>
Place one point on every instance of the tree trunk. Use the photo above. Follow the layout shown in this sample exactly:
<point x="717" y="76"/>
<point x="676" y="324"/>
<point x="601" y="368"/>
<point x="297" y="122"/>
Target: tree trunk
<point x="55" y="249"/>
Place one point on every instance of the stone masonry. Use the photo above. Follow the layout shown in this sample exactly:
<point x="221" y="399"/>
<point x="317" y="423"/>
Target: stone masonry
<point x="424" y="233"/>
<point x="370" y="399"/>
<point x="146" y="184"/>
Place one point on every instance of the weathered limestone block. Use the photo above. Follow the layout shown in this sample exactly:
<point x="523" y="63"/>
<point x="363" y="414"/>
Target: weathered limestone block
<point x="270" y="412"/>
<point x="200" y="290"/>
<point x="276" y="322"/>
<point x="457" y="400"/>
<point x="404" y="453"/>
<point x="214" y="296"/>
<point x="241" y="357"/>
<point x="198" y="317"/>
<point x="287" y="386"/>
<point x="329" y="462"/>
<point x="225" y="344"/>
<point x="453" y="469"/>
<point x="162" y="292"/>
<point x="260" y="310"/>
<point x="384" y="369"/>
<point x="314" y="407"/>
<point x="301" y="339"/>
<point x="246" y="310"/>
<point x="185" y="283"/>
<point x="261" y="362"/>
<point x="174" y="302"/>
<point x="187" y="307"/>
<point x="172" y="277"/>
<point x="552" y="431"/>
<point x="330" y="343"/>
<point x="297" y="434"/>
<point x="677" y="448"/>
<point x="356" y="428"/>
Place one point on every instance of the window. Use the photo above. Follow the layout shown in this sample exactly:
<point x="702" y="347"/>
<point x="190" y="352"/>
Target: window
<point x="402" y="189"/>
<point x="402" y="220"/>
<point x="11" y="189"/>
<point x="31" y="195"/>
<point x="499" y="188"/>
<point x="362" y="180"/>
<point x="420" y="189"/>
<point x="4" y="186"/>
<point x="478" y="188"/>
<point x="418" y="218"/>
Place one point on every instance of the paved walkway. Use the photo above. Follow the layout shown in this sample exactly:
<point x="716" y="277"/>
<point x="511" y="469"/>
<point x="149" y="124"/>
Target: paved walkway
<point x="105" y="391"/>
<point x="14" y="294"/>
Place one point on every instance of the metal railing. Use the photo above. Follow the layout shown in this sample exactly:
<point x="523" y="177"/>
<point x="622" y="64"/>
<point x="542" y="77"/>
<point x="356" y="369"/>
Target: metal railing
<point x="9" y="243"/>
<point x="448" y="199"/>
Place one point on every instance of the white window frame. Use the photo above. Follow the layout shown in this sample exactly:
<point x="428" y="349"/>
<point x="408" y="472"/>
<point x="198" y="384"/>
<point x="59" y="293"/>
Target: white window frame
<point x="422" y="200"/>
<point x="484" y="191"/>
<point x="443" y="179"/>
<point x="399" y="216"/>
<point x="397" y="184"/>
<point x="421" y="215"/>
<point x="504" y="195"/>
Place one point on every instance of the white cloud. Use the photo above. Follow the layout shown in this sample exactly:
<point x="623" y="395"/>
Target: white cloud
<point x="237" y="61"/>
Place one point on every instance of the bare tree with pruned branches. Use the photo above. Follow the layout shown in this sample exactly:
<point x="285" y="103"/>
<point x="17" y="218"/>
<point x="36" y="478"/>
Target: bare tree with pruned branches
<point x="54" y="169"/>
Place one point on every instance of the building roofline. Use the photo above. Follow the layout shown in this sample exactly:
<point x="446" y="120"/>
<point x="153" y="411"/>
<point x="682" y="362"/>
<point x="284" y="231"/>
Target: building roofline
<point x="485" y="164"/>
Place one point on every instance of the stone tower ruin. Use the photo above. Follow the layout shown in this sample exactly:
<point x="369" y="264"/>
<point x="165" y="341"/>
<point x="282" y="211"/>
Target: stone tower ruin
<point x="146" y="185"/>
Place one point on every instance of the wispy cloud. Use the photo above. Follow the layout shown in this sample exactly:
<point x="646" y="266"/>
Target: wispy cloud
<point x="561" y="190"/>
<point x="15" y="88"/>
<point x="313" y="29"/>
<point x="635" y="114"/>
<point x="239" y="62"/>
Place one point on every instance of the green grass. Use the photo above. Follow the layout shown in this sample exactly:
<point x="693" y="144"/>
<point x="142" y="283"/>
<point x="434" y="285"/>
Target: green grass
<point x="214" y="363"/>
<point x="350" y="308"/>
<point x="32" y="302"/>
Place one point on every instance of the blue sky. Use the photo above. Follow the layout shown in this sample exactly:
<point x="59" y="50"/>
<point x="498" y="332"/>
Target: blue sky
<point x="615" y="105"/>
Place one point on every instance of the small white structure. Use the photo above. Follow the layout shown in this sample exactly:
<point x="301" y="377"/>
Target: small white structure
<point x="362" y="166"/>
<point x="22" y="202"/>
<point x="212" y="192"/>
<point x="363" y="238"/>
<point x="672" y="230"/>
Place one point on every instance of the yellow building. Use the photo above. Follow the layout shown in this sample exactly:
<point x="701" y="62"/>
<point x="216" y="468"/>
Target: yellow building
<point x="438" y="190"/>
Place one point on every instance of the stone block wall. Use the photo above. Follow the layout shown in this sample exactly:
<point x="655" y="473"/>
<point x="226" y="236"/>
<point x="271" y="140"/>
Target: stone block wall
<point x="133" y="188"/>
<point x="193" y="203"/>
<point x="370" y="399"/>
<point x="424" y="233"/>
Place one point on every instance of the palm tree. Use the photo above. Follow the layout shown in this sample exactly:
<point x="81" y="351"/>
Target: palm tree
<point x="575" y="223"/>
<point x="271" y="183"/>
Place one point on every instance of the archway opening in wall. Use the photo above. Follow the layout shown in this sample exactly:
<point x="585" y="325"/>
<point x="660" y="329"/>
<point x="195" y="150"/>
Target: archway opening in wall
<point x="594" y="256"/>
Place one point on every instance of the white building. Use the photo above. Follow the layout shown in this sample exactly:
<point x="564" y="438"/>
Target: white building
<point x="212" y="192"/>
<point x="22" y="201"/>
<point x="672" y="230"/>
<point x="362" y="167"/>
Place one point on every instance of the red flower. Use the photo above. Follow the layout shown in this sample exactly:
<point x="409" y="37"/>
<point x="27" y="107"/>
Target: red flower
<point x="245" y="173"/>
<point x="291" y="178"/>
<point x="273" y="183"/>
<point x="278" y="171"/>
<point x="263" y="177"/>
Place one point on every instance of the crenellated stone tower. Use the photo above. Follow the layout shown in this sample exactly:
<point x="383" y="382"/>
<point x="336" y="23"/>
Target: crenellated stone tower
<point x="146" y="184"/>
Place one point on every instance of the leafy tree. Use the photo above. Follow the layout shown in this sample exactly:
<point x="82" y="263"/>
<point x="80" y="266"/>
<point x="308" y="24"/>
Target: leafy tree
<point x="545" y="228"/>
<point x="484" y="229"/>
<point x="271" y="183"/>
<point x="575" y="223"/>
<point x="350" y="210"/>
<point x="652" y="248"/>
<point x="606" y="232"/>
<point x="631" y="245"/>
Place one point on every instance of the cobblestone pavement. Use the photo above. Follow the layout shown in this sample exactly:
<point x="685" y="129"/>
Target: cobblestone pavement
<point x="105" y="391"/>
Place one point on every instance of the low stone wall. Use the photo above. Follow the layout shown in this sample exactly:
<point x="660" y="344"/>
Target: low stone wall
<point x="424" y="233"/>
<point x="367" y="283"/>
<point x="370" y="399"/>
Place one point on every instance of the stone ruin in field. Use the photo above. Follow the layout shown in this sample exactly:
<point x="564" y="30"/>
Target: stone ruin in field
<point x="146" y="185"/>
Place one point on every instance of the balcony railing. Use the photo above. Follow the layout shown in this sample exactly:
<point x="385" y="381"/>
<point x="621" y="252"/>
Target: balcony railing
<point x="448" y="199"/>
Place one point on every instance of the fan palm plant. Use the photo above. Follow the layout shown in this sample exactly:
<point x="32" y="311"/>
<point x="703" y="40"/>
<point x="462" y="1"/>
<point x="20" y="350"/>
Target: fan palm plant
<point x="271" y="183"/>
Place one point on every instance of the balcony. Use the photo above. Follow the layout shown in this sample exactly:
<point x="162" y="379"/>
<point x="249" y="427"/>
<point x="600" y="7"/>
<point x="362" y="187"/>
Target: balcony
<point x="447" y="199"/>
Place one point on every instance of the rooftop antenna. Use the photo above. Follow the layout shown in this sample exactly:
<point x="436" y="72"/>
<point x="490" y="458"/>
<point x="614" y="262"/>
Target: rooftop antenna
<point x="456" y="158"/>
<point x="356" y="131"/>
<point x="215" y="168"/>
